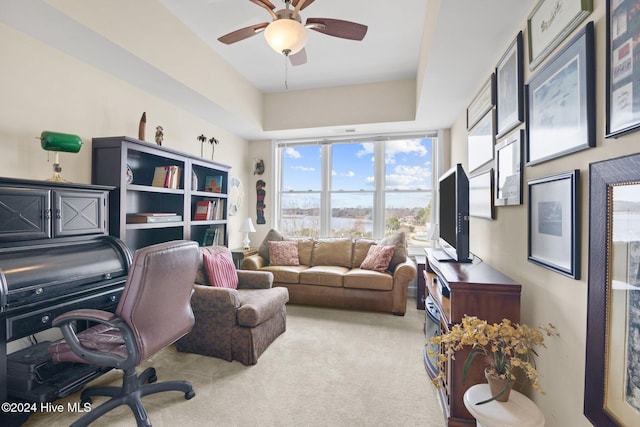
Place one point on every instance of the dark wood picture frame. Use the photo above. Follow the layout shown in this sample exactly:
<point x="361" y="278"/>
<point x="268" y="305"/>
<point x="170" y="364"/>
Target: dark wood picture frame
<point x="560" y="102"/>
<point x="509" y="88"/>
<point x="622" y="70"/>
<point x="603" y="177"/>
<point x="508" y="175"/>
<point x="553" y="223"/>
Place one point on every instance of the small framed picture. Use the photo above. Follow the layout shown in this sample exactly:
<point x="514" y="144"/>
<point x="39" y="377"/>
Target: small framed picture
<point x="481" y="195"/>
<point x="553" y="223"/>
<point x="482" y="102"/>
<point x="561" y="102"/>
<point x="509" y="88"/>
<point x="508" y="176"/>
<point x="481" y="141"/>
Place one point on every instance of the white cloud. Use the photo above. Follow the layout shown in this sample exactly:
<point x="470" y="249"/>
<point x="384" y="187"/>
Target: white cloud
<point x="303" y="168"/>
<point x="349" y="174"/>
<point x="292" y="153"/>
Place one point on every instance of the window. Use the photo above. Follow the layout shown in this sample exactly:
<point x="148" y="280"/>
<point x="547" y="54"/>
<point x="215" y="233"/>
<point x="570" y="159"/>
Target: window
<point x="364" y="188"/>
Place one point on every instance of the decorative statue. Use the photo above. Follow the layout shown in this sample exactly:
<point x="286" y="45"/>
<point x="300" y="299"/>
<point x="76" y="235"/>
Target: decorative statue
<point x="159" y="135"/>
<point x="213" y="143"/>
<point x="202" y="139"/>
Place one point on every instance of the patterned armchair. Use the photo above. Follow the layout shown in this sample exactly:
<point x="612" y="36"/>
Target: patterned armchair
<point x="235" y="324"/>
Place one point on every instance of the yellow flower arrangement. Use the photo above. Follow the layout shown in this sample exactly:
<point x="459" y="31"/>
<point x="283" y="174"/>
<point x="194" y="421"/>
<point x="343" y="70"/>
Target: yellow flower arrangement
<point x="504" y="345"/>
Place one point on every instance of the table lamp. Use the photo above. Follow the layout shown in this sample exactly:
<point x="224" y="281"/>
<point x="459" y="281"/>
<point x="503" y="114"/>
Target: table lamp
<point x="246" y="228"/>
<point x="55" y="141"/>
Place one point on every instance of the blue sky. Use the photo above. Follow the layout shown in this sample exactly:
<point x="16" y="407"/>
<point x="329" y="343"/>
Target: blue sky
<point x="408" y="166"/>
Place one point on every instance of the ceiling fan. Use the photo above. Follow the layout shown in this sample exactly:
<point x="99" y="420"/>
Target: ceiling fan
<point x="286" y="34"/>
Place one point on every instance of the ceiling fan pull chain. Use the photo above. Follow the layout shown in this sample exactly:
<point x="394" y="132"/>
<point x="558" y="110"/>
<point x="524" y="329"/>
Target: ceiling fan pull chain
<point x="286" y="71"/>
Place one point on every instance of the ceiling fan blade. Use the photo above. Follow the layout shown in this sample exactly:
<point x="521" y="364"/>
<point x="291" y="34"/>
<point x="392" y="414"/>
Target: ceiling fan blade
<point x="305" y="5"/>
<point x="298" y="58"/>
<point x="338" y="28"/>
<point x="264" y="3"/>
<point x="242" y="33"/>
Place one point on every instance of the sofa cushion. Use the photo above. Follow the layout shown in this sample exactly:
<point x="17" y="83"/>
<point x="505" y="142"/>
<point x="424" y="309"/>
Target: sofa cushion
<point x="201" y="275"/>
<point x="283" y="253"/>
<point x="368" y="279"/>
<point x="221" y="271"/>
<point x="323" y="275"/>
<point x="263" y="249"/>
<point x="305" y="248"/>
<point x="285" y="273"/>
<point x="360" y="250"/>
<point x="332" y="252"/>
<point x="258" y="305"/>
<point x="400" y="253"/>
<point x="378" y="258"/>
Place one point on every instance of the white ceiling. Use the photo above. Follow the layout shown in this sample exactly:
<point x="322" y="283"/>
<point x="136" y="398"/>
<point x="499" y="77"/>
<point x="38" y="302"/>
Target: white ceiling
<point x="449" y="46"/>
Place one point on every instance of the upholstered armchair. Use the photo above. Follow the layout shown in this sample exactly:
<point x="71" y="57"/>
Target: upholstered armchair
<point x="235" y="324"/>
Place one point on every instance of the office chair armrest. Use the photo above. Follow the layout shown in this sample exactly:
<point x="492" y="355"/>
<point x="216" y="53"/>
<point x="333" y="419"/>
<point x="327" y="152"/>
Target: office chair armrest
<point x="65" y="323"/>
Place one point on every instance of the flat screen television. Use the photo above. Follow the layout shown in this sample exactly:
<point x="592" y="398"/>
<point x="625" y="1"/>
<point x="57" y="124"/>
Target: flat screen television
<point x="453" y="197"/>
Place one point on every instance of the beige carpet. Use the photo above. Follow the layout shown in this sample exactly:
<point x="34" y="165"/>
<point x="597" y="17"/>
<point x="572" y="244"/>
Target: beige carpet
<point x="330" y="368"/>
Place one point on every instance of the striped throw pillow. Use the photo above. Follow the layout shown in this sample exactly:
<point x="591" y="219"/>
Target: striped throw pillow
<point x="220" y="270"/>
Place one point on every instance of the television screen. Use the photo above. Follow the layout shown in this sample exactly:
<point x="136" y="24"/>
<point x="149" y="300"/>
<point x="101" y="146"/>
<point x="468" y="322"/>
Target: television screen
<point x="453" y="193"/>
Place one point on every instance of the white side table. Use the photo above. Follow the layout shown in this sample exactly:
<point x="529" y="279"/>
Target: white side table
<point x="519" y="411"/>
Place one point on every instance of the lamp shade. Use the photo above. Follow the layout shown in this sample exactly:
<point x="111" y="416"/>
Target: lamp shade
<point x="247" y="226"/>
<point x="286" y="36"/>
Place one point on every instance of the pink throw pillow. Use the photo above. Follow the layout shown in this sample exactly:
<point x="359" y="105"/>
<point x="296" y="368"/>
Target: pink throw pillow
<point x="378" y="258"/>
<point x="283" y="253"/>
<point x="220" y="270"/>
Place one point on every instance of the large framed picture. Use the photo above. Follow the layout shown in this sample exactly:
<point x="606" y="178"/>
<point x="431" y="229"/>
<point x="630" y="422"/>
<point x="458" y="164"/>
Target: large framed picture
<point x="481" y="203"/>
<point x="509" y="87"/>
<point x="553" y="223"/>
<point x="481" y="141"/>
<point x="550" y="22"/>
<point x="623" y="67"/>
<point x="482" y="102"/>
<point x="508" y="175"/>
<point x="612" y="366"/>
<point x="560" y="102"/>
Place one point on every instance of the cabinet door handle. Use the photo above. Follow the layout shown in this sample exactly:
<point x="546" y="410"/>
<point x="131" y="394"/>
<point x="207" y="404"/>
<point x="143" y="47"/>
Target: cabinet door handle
<point x="58" y="215"/>
<point x="47" y="214"/>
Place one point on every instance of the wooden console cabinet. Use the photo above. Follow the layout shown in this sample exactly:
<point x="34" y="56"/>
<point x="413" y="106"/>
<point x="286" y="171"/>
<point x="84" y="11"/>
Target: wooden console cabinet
<point x="476" y="289"/>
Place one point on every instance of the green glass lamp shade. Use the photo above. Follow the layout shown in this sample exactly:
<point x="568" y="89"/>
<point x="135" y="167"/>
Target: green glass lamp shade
<point x="55" y="141"/>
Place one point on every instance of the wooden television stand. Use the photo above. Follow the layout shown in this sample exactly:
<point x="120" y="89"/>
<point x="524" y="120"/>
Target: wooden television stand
<point x="475" y="289"/>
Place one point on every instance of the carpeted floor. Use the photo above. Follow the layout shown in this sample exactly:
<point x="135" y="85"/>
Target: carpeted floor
<point x="330" y="368"/>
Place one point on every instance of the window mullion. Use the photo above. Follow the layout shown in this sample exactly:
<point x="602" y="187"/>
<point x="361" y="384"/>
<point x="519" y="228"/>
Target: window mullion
<point x="325" y="197"/>
<point x="379" y="196"/>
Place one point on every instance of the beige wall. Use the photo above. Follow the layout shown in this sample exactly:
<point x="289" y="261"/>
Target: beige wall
<point x="45" y="89"/>
<point x="548" y="296"/>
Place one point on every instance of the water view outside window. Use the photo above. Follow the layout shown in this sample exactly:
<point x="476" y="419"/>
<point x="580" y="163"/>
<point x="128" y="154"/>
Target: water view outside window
<point x="352" y="192"/>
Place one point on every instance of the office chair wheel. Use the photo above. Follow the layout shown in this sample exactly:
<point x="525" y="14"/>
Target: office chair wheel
<point x="189" y="395"/>
<point x="152" y="379"/>
<point x="85" y="401"/>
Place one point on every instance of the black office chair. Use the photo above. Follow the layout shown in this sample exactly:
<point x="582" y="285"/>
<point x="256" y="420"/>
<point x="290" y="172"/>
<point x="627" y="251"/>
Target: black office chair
<point x="154" y="311"/>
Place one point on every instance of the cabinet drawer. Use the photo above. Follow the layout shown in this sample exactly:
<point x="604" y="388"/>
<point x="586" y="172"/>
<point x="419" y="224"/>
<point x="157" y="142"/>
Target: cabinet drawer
<point x="38" y="320"/>
<point x="25" y="214"/>
<point x="79" y="212"/>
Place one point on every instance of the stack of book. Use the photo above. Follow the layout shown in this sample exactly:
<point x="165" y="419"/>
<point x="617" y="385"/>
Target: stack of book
<point x="167" y="176"/>
<point x="145" y="217"/>
<point x="208" y="210"/>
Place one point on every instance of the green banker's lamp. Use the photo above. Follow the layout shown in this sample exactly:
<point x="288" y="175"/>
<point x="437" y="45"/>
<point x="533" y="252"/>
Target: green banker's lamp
<point x="56" y="141"/>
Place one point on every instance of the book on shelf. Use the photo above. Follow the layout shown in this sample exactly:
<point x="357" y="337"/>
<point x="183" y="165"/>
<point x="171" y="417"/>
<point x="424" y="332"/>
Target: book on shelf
<point x="167" y="176"/>
<point x="203" y="210"/>
<point x="211" y="237"/>
<point x="213" y="184"/>
<point x="146" y="217"/>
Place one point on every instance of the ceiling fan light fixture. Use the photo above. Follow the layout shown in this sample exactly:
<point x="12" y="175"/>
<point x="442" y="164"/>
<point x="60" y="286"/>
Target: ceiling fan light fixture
<point x="286" y="36"/>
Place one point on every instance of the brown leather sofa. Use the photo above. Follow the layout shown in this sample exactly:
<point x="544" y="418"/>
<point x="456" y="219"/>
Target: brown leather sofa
<point x="329" y="273"/>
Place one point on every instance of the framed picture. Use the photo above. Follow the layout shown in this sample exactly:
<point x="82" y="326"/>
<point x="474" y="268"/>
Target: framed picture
<point x="481" y="195"/>
<point x="623" y="68"/>
<point x="553" y="223"/>
<point x="550" y="22"/>
<point x="508" y="175"/>
<point x="560" y="102"/>
<point x="612" y="367"/>
<point x="482" y="102"/>
<point x="509" y="86"/>
<point x="481" y="141"/>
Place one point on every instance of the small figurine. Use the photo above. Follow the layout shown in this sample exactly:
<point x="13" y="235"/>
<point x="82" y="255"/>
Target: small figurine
<point x="159" y="135"/>
<point x="202" y="139"/>
<point x="213" y="143"/>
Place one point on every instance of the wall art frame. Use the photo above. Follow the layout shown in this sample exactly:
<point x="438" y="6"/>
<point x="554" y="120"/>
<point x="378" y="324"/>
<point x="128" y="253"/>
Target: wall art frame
<point x="484" y="101"/>
<point x="481" y="202"/>
<point x="610" y="319"/>
<point x="622" y="102"/>
<point x="481" y="141"/>
<point x="550" y="22"/>
<point x="553" y="223"/>
<point x="508" y="173"/>
<point x="560" y="102"/>
<point x="509" y="88"/>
